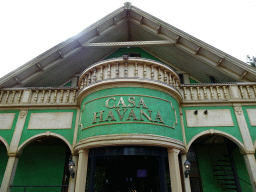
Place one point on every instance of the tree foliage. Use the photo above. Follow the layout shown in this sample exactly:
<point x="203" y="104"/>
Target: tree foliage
<point x="251" y="60"/>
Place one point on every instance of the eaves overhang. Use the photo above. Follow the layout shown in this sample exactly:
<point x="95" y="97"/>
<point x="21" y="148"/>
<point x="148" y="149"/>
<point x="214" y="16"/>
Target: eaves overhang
<point x="127" y="24"/>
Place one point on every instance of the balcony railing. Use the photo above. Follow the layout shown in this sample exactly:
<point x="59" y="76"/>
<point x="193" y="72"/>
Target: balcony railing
<point x="242" y="92"/>
<point x="217" y="92"/>
<point x="38" y="96"/>
<point x="132" y="68"/>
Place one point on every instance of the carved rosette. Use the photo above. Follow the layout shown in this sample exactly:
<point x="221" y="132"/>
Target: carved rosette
<point x="23" y="113"/>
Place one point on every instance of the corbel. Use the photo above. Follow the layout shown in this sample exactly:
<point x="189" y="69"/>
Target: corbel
<point x="197" y="50"/>
<point x="219" y="62"/>
<point x="159" y="29"/>
<point x="40" y="66"/>
<point x="18" y="80"/>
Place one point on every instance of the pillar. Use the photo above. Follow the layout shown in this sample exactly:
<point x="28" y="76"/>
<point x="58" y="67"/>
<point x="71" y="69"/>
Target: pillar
<point x="72" y="181"/>
<point x="174" y="169"/>
<point x="82" y="170"/>
<point x="249" y="147"/>
<point x="9" y="173"/>
<point x="13" y="152"/>
<point x="249" y="159"/>
<point x="186" y="180"/>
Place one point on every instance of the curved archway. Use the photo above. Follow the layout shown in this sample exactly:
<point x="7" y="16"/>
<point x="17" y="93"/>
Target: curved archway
<point x="212" y="131"/>
<point x="4" y="142"/>
<point x="47" y="134"/>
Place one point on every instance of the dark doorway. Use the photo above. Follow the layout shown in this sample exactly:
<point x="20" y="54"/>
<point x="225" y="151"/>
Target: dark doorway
<point x="128" y="169"/>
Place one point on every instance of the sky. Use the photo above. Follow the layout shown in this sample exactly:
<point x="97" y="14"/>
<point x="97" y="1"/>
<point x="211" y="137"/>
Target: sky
<point x="29" y="27"/>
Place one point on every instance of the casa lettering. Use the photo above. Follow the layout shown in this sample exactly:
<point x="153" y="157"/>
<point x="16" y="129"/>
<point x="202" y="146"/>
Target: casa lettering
<point x="126" y="110"/>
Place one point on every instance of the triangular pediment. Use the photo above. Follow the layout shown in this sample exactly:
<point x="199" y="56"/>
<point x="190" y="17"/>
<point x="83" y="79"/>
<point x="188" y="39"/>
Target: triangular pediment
<point x="129" y="26"/>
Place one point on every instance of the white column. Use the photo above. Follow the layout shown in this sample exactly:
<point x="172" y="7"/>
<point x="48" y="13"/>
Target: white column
<point x="82" y="170"/>
<point x="18" y="132"/>
<point x="174" y="169"/>
<point x="72" y="181"/>
<point x="251" y="168"/>
<point x="9" y="174"/>
<point x="186" y="180"/>
<point x="245" y="133"/>
<point x="249" y="147"/>
<point x="12" y="152"/>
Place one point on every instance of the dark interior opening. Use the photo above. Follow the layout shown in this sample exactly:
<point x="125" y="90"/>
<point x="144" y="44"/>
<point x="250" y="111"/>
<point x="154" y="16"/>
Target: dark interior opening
<point x="125" y="169"/>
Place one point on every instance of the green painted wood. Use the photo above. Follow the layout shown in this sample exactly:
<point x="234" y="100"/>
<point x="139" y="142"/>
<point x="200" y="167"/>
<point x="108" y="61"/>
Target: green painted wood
<point x="252" y="129"/>
<point x="120" y="52"/>
<point x="40" y="165"/>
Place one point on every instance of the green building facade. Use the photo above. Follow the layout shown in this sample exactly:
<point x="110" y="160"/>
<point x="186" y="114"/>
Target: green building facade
<point x="130" y="101"/>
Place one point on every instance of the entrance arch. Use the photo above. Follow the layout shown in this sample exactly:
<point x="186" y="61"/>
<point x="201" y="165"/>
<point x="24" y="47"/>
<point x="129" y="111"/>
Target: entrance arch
<point x="217" y="163"/>
<point x="41" y="135"/>
<point x="217" y="132"/>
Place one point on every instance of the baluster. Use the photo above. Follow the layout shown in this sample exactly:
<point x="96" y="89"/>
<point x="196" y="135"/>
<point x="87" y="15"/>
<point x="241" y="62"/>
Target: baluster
<point x="101" y="72"/>
<point x="55" y="96"/>
<point x="61" y="96"/>
<point x="7" y="97"/>
<point x="82" y="84"/>
<point x="12" y="97"/>
<point x="198" y="93"/>
<point x="42" y="97"/>
<point x="249" y="91"/>
<point x="159" y="74"/>
<point x="125" y="69"/>
<point x="67" y="96"/>
<point x="152" y="72"/>
<point x="49" y="96"/>
<point x="218" y="92"/>
<point x="1" y="96"/>
<point x="225" y="92"/>
<point x="74" y="95"/>
<point x="36" y="96"/>
<point x="144" y="71"/>
<point x="19" y="97"/>
<point x="212" y="94"/>
<point x="89" y="78"/>
<point x="165" y="77"/>
<point x="205" y="93"/>
<point x="117" y="70"/>
<point x="185" y="93"/>
<point x="254" y="90"/>
<point x="192" y="94"/>
<point x="109" y="71"/>
<point x="86" y="81"/>
<point x="170" y="79"/>
<point x="136" y="70"/>
<point x="94" y="75"/>
<point x="177" y="84"/>
<point x="242" y="92"/>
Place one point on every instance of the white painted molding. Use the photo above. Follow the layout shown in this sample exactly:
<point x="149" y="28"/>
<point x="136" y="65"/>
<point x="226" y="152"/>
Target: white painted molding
<point x="46" y="134"/>
<point x="212" y="131"/>
<point x="129" y="139"/>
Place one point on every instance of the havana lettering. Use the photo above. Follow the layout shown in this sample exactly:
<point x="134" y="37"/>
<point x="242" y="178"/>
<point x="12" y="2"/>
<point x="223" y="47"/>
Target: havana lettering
<point x="121" y="113"/>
